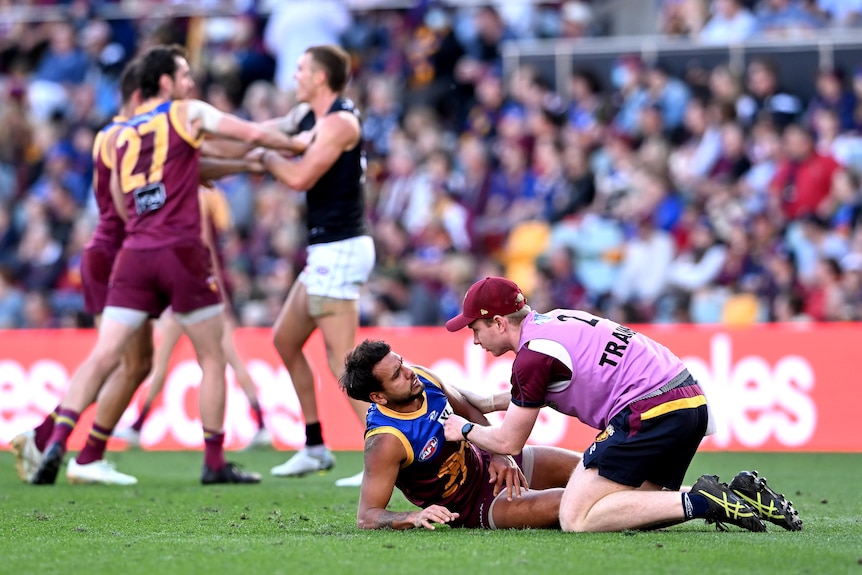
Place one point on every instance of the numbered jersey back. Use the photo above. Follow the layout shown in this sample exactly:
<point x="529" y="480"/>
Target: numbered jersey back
<point x="159" y="167"/>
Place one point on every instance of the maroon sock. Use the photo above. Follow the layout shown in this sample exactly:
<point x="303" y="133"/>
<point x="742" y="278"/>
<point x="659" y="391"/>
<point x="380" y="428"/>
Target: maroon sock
<point x="63" y="426"/>
<point x="258" y="415"/>
<point x="94" y="450"/>
<point x="45" y="429"/>
<point x="141" y="418"/>
<point x="214" y="449"/>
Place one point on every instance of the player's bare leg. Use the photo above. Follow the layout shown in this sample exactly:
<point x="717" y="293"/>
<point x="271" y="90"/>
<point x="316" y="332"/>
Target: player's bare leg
<point x="170" y="332"/>
<point x="539" y="509"/>
<point x="338" y="320"/>
<point x="85" y="384"/>
<point x="338" y="324"/>
<point x="592" y="503"/>
<point x="292" y="329"/>
<point x="551" y="466"/>
<point x="243" y="378"/>
<point x="90" y="466"/>
<point x="204" y="329"/>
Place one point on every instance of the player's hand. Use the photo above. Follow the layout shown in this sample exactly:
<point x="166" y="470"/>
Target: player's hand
<point x="504" y="472"/>
<point x="434" y="514"/>
<point x="254" y="159"/>
<point x="452" y="427"/>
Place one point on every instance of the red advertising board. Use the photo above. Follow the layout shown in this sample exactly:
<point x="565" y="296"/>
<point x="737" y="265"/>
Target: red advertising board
<point x="772" y="388"/>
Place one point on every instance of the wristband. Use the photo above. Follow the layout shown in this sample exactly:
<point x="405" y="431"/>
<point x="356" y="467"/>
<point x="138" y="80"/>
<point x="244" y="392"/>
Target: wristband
<point x="467" y="428"/>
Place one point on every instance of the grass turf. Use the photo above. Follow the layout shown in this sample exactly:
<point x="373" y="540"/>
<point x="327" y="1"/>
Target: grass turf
<point x="169" y="523"/>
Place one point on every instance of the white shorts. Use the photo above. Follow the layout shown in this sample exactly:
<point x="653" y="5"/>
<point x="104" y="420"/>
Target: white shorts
<point x="338" y="269"/>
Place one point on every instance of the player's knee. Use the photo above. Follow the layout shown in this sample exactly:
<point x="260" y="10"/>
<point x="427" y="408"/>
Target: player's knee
<point x="571" y="524"/>
<point x="283" y="343"/>
<point x="139" y="368"/>
<point x="572" y="521"/>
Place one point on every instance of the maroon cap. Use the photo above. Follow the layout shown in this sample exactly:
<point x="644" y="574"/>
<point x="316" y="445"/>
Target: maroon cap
<point x="487" y="298"/>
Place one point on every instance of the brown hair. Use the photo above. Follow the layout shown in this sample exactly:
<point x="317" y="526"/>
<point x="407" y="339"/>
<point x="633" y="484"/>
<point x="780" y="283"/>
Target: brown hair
<point x="335" y="63"/>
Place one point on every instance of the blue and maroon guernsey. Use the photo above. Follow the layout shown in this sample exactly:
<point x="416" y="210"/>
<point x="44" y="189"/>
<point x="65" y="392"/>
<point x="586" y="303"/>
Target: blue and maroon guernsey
<point x="436" y="472"/>
<point x="159" y="163"/>
<point x="110" y="230"/>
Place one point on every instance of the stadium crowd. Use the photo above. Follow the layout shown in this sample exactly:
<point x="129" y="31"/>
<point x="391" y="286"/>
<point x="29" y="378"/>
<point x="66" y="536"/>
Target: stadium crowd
<point x="651" y="199"/>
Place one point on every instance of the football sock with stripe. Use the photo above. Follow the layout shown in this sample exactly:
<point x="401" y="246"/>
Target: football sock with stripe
<point x="63" y="426"/>
<point x="94" y="450"/>
<point x="694" y="505"/>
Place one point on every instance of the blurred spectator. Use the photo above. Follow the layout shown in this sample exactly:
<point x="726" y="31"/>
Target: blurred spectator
<point x="294" y="26"/>
<point x="844" y="146"/>
<point x="811" y="240"/>
<point x="11" y="300"/>
<point x="725" y="88"/>
<point x="764" y="150"/>
<point x="484" y="112"/>
<point x="730" y="23"/>
<point x="764" y="98"/>
<point x="433" y="52"/>
<point x="64" y="62"/>
<point x="825" y="300"/>
<point x="834" y="96"/>
<point x="381" y="114"/>
<point x="693" y="273"/>
<point x="696" y="157"/>
<point x="631" y="96"/>
<point x="843" y="207"/>
<point x="670" y="94"/>
<point x="786" y="18"/>
<point x="803" y="179"/>
<point x="683" y="17"/>
<point x="37" y="311"/>
<point x="597" y="242"/>
<point x="576" y="18"/>
<point x="473" y="188"/>
<point x="644" y="271"/>
<point x="40" y="257"/>
<point x="585" y="93"/>
<point x="840" y="13"/>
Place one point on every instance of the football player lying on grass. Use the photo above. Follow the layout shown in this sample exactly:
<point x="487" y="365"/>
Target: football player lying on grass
<point x="453" y="482"/>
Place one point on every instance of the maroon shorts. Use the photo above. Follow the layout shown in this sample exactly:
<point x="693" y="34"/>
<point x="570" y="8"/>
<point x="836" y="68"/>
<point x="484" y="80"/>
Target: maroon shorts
<point x="96" y="265"/>
<point x="479" y="515"/>
<point x="150" y="280"/>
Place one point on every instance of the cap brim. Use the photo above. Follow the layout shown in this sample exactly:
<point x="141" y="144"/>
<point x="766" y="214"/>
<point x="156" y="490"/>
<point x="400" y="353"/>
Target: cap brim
<point x="460" y="321"/>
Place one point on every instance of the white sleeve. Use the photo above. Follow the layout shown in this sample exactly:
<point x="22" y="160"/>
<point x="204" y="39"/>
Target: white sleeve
<point x="208" y="114"/>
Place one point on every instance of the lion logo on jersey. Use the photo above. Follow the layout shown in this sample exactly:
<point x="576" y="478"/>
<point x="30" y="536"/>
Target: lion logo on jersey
<point x="608" y="432"/>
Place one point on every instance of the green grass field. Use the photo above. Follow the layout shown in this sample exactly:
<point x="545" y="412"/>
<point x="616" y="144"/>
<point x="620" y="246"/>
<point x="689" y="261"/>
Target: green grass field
<point x="169" y="523"/>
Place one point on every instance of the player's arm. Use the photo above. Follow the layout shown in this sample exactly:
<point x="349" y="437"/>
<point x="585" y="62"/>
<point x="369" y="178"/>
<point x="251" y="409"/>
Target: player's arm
<point x="215" y="168"/>
<point x="333" y="135"/>
<point x="486" y="403"/>
<point x="215" y="147"/>
<point x="460" y="404"/>
<point x="204" y="118"/>
<point x="384" y="454"/>
<point x="508" y="438"/>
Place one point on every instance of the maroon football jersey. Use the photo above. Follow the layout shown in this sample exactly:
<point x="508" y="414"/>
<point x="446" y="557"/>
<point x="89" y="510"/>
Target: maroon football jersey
<point x="110" y="229"/>
<point x="159" y="163"/>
